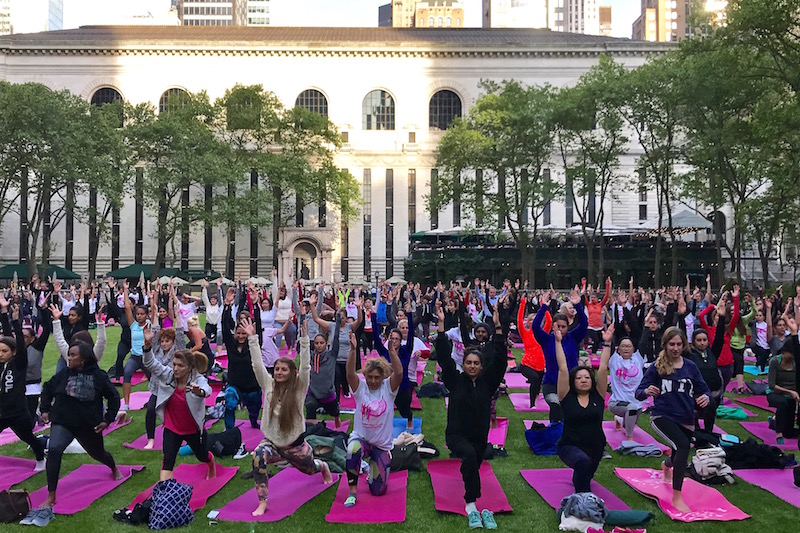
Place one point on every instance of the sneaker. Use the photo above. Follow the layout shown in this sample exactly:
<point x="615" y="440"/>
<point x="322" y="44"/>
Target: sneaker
<point x="771" y="422"/>
<point x="488" y="519"/>
<point x="606" y="454"/>
<point x="241" y="453"/>
<point x="350" y="501"/>
<point x="475" y="521"/>
<point x="43" y="517"/>
<point x="40" y="466"/>
<point x="779" y="441"/>
<point x="28" y="520"/>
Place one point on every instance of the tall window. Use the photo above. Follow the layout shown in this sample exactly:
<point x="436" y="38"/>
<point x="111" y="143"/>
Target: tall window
<point x="314" y="101"/>
<point x="444" y="107"/>
<point x="108" y="95"/>
<point x="366" y="193"/>
<point x="389" y="222"/>
<point x="172" y="99"/>
<point x="434" y="187"/>
<point x="378" y="111"/>
<point x="412" y="201"/>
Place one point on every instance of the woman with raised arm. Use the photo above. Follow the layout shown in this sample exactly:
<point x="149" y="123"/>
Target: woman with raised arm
<point x="676" y="386"/>
<point x="137" y="323"/>
<point x="242" y="385"/>
<point x="582" y="398"/>
<point x="532" y="364"/>
<point x="282" y="421"/>
<point x="468" y="415"/>
<point x="371" y="438"/>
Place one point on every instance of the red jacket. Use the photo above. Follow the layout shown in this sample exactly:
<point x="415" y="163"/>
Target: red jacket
<point x="725" y="356"/>
<point x="533" y="356"/>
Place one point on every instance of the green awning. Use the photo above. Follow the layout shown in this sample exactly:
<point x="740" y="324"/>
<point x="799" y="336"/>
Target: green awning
<point x="8" y="271"/>
<point x="195" y="274"/>
<point x="135" y="270"/>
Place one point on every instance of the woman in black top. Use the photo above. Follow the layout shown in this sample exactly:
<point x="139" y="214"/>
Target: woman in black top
<point x="582" y="399"/>
<point x="705" y="357"/>
<point x="468" y="415"/>
<point x="242" y="385"/>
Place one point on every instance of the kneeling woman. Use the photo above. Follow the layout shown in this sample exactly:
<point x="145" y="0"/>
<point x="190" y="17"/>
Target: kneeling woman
<point x="468" y="415"/>
<point x="180" y="390"/>
<point x="282" y="421"/>
<point x="582" y="400"/>
<point x="73" y="402"/>
<point x="373" y="422"/>
<point x="676" y="385"/>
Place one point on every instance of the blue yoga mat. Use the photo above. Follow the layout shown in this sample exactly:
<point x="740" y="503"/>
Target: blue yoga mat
<point x="399" y="426"/>
<point x="753" y="370"/>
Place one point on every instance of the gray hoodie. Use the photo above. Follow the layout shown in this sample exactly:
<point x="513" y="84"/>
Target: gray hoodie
<point x="323" y="370"/>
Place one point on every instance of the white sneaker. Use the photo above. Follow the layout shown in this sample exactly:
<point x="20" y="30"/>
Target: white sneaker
<point x="40" y="465"/>
<point x="241" y="453"/>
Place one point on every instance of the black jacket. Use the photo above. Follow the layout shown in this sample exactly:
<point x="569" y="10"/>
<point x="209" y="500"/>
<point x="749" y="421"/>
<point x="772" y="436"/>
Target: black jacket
<point x="74" y="398"/>
<point x="469" y="408"/>
<point x="707" y="361"/>
<point x="240" y="367"/>
<point x="12" y="374"/>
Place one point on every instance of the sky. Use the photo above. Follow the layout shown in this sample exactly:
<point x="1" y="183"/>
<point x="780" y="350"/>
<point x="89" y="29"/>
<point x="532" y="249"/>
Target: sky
<point x="304" y="12"/>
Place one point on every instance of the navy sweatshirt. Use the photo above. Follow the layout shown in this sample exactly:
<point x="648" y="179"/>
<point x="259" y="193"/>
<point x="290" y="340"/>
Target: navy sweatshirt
<point x="678" y="392"/>
<point x="570" y="342"/>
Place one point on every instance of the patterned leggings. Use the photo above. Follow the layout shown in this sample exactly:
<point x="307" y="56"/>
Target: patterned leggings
<point x="300" y="456"/>
<point x="379" y="461"/>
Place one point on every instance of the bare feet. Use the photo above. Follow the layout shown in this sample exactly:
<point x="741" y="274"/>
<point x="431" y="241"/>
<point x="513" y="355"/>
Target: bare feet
<point x="150" y="444"/>
<point x="410" y="425"/>
<point x="667" y="473"/>
<point x="212" y="470"/>
<point x="617" y="425"/>
<point x="678" y="503"/>
<point x="50" y="501"/>
<point x="116" y="474"/>
<point x="337" y="423"/>
<point x="326" y="473"/>
<point x="261" y="509"/>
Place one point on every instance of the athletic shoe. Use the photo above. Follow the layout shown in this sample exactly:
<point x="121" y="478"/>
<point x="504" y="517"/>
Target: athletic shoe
<point x="40" y="466"/>
<point x="28" y="520"/>
<point x="475" y="521"/>
<point x="779" y="441"/>
<point x="606" y="454"/>
<point x="350" y="501"/>
<point x="241" y="453"/>
<point x="43" y="517"/>
<point x="771" y="422"/>
<point x="488" y="519"/>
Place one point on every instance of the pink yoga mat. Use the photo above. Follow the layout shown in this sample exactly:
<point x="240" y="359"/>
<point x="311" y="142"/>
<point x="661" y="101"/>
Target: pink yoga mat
<point x="553" y="484"/>
<point x="140" y="443"/>
<point x="515" y="380"/>
<point x="762" y="431"/>
<point x="83" y="486"/>
<point x="138" y="377"/>
<point x="289" y="489"/>
<point x="7" y="436"/>
<point x="778" y="482"/>
<point x="369" y="509"/>
<point x="615" y="438"/>
<point x="756" y="401"/>
<point x="706" y="502"/>
<point x="222" y="361"/>
<point x="448" y="488"/>
<point x="216" y="387"/>
<point x="347" y="402"/>
<point x="522" y="401"/>
<point x="195" y="475"/>
<point x="497" y="436"/>
<point x="138" y="400"/>
<point x="116" y="424"/>
<point x="14" y="470"/>
<point x="415" y="401"/>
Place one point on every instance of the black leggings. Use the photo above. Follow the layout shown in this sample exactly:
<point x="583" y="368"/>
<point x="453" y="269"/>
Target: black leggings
<point x="122" y="350"/>
<point x="173" y="441"/>
<point x="582" y="464"/>
<point x="534" y="380"/>
<point x="403" y="402"/>
<point x="785" y="409"/>
<point x="150" y="417"/>
<point x="33" y="405"/>
<point x="678" y="438"/>
<point x="22" y="426"/>
<point x="762" y="356"/>
<point x="471" y="454"/>
<point x="709" y="412"/>
<point x="595" y="339"/>
<point x="340" y="381"/>
<point x="211" y="332"/>
<point x="738" y="361"/>
<point x="61" y="436"/>
<point x="367" y="343"/>
<point x="550" y="392"/>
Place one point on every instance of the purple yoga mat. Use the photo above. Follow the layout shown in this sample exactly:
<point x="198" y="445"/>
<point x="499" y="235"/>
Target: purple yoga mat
<point x="289" y="489"/>
<point x="553" y="484"/>
<point x="138" y="400"/>
<point x="762" y="431"/>
<point x="615" y="438"/>
<point x="195" y="475"/>
<point x="369" y="509"/>
<point x="448" y="488"/>
<point x="497" y="436"/>
<point x="116" y="424"/>
<point x="522" y="401"/>
<point x="140" y="443"/>
<point x="138" y="377"/>
<point x="83" y="486"/>
<point x="14" y="470"/>
<point x="515" y="380"/>
<point x="756" y="401"/>
<point x="216" y="387"/>
<point x="706" y="503"/>
<point x="7" y="436"/>
<point x="778" y="482"/>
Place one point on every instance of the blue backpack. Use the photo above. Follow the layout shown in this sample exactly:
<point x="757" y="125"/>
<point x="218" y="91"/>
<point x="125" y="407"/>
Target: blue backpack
<point x="542" y="439"/>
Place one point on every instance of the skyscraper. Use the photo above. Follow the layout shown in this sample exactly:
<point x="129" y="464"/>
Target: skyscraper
<point x="385" y="16"/>
<point x="224" y="13"/>
<point x="439" y="14"/>
<point x="55" y="15"/>
<point x="403" y="13"/>
<point x="605" y="21"/>
<point x="662" y="20"/>
<point x="574" y="16"/>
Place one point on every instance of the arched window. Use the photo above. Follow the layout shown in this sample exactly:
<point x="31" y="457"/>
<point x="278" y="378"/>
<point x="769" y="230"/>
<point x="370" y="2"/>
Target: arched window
<point x="440" y="21"/>
<point x="172" y="99"/>
<point x="448" y="22"/>
<point x="314" y="101"/>
<point x="445" y="106"/>
<point x="378" y="111"/>
<point x="105" y="95"/>
<point x="430" y="22"/>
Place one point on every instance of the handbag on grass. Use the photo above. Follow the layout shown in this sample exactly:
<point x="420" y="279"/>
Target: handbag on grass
<point x="14" y="505"/>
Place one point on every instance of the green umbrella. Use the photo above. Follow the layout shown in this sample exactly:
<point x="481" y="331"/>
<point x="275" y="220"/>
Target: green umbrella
<point x="133" y="271"/>
<point x="21" y="271"/>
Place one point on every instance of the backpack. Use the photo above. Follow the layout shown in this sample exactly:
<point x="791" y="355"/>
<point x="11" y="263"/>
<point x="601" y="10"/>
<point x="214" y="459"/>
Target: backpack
<point x="406" y="457"/>
<point x="752" y="454"/>
<point x="170" y="506"/>
<point x="225" y="444"/>
<point x="432" y="390"/>
<point x="325" y="449"/>
<point x="543" y="440"/>
<point x="708" y="466"/>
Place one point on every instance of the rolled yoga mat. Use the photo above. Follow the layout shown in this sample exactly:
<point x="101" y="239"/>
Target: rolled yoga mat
<point x="448" y="488"/>
<point x="706" y="503"/>
<point x="763" y="432"/>
<point x="614" y="438"/>
<point x="497" y="436"/>
<point x="83" y="486"/>
<point x="14" y="470"/>
<point x="778" y="482"/>
<point x="195" y="475"/>
<point x="522" y="403"/>
<point x="369" y="509"/>
<point x="554" y="484"/>
<point x="289" y="489"/>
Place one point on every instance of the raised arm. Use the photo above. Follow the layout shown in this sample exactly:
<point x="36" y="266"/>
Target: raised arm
<point x="563" y="369"/>
<point x="58" y="332"/>
<point x="127" y="302"/>
<point x="304" y="368"/>
<point x="315" y="315"/>
<point x="497" y="360"/>
<point x="260" y="371"/>
<point x="350" y="367"/>
<point x="602" y="372"/>
<point x="397" y="366"/>
<point x="160" y="371"/>
<point x="102" y="340"/>
<point x="444" y="357"/>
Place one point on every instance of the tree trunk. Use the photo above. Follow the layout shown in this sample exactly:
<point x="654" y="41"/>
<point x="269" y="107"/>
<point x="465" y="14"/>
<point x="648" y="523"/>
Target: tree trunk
<point x="162" y="236"/>
<point x="94" y="242"/>
<point x="601" y="259"/>
<point x="47" y="227"/>
<point x="590" y="266"/>
<point x="230" y="254"/>
<point x="23" y="221"/>
<point x="69" y="245"/>
<point x="276" y="224"/>
<point x="657" y="267"/>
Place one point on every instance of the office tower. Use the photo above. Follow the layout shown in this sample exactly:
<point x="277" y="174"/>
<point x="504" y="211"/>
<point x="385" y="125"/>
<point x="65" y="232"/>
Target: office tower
<point x="439" y="14"/>
<point x="605" y="21"/>
<point x="662" y="20"/>
<point x="224" y="13"/>
<point x="385" y="16"/>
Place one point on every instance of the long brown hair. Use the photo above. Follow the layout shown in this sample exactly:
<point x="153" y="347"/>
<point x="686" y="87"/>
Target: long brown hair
<point x="285" y="394"/>
<point x="193" y="360"/>
<point x="664" y="363"/>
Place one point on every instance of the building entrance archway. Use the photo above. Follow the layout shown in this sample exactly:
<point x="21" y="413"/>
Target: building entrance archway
<point x="307" y="252"/>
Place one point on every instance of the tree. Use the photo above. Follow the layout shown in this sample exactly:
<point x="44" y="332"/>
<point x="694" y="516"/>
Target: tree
<point x="508" y="135"/>
<point x="591" y="140"/>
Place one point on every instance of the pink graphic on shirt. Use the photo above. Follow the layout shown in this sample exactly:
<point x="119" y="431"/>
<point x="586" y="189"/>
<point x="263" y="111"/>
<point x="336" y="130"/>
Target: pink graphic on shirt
<point x="625" y="374"/>
<point x="373" y="409"/>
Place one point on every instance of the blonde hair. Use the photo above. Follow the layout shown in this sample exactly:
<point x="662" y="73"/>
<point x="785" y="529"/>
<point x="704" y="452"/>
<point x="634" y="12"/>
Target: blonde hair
<point x="193" y="322"/>
<point x="379" y="364"/>
<point x="665" y="363"/>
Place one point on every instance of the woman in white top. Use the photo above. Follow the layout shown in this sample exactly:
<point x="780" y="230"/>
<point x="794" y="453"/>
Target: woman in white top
<point x="626" y="368"/>
<point x="283" y="304"/>
<point x="282" y="420"/>
<point x="373" y="421"/>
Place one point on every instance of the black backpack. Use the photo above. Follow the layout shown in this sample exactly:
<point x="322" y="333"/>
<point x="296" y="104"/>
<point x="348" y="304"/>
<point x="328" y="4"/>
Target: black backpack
<point x="225" y="444"/>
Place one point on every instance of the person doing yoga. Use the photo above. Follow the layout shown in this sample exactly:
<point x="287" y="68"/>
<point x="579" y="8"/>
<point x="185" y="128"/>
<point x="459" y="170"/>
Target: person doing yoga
<point x="322" y="379"/>
<point x="371" y="438"/>
<point x="282" y="421"/>
<point x="582" y="400"/>
<point x="626" y="368"/>
<point x="468" y="415"/>
<point x="676" y="385"/>
<point x="782" y="393"/>
<point x="180" y="389"/>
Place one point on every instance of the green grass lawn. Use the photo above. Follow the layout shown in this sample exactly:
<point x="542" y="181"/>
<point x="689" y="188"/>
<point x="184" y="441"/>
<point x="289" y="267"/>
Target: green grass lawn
<point x="530" y="511"/>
